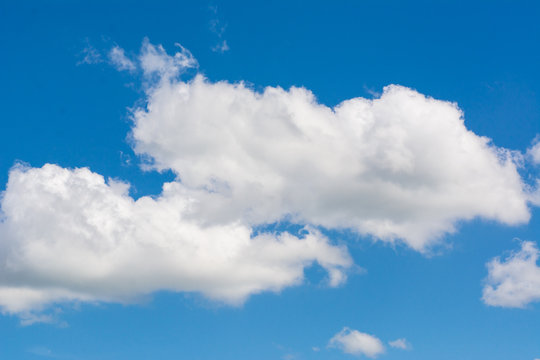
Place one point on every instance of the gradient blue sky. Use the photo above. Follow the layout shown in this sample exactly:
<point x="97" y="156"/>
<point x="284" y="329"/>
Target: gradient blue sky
<point x="56" y="108"/>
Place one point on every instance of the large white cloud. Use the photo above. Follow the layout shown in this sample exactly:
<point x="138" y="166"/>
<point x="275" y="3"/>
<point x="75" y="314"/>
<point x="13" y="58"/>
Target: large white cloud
<point x="402" y="166"/>
<point x="357" y="343"/>
<point x="69" y="235"/>
<point x="399" y="167"/>
<point x="514" y="281"/>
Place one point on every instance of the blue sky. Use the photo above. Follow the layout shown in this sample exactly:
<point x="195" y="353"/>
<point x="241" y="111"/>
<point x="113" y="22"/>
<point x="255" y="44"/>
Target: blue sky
<point x="83" y="270"/>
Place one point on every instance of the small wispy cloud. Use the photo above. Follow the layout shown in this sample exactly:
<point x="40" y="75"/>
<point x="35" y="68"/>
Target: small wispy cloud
<point x="29" y="318"/>
<point x="118" y="59"/>
<point x="221" y="47"/>
<point x="402" y="344"/>
<point x="534" y="151"/>
<point x="89" y="55"/>
<point x="151" y="62"/>
<point x="218" y="27"/>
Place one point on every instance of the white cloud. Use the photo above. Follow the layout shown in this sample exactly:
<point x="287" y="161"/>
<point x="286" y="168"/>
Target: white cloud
<point x="514" y="281"/>
<point x="218" y="28"/>
<point x="534" y="151"/>
<point x="67" y="235"/>
<point x="154" y="61"/>
<point x="89" y="55"/>
<point x="399" y="167"/>
<point x="402" y="166"/>
<point x="221" y="47"/>
<point x="119" y="59"/>
<point x="357" y="343"/>
<point x="402" y="344"/>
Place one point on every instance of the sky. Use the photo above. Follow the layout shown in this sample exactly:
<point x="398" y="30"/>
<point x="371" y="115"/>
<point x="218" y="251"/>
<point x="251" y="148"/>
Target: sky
<point x="271" y="180"/>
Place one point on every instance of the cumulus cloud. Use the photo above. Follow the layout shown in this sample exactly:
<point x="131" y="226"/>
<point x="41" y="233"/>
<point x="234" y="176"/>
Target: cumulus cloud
<point x="357" y="343"/>
<point x="402" y="166"/>
<point x="515" y="280"/>
<point x="402" y="344"/>
<point x="68" y="235"/>
<point x="119" y="59"/>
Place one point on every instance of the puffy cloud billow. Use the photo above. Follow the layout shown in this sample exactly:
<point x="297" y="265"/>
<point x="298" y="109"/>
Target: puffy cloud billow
<point x="69" y="235"/>
<point x="514" y="281"/>
<point x="401" y="167"/>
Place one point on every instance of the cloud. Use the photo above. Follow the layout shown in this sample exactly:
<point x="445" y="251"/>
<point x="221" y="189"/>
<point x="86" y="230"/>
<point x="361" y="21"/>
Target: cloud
<point x="217" y="27"/>
<point x="68" y="235"/>
<point x="89" y="55"/>
<point x="399" y="167"/>
<point x="357" y="343"/>
<point x="29" y="318"/>
<point x="221" y="47"/>
<point x="534" y="151"/>
<point x="514" y="281"/>
<point x="402" y="344"/>
<point x="155" y="62"/>
<point x="119" y="59"/>
<point x="152" y="61"/>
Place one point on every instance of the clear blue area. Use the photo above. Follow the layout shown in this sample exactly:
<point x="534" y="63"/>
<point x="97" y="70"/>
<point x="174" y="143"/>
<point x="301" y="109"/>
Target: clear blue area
<point x="484" y="55"/>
